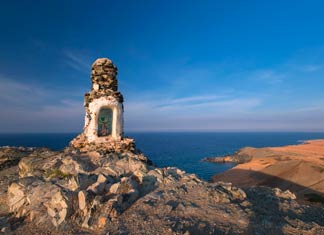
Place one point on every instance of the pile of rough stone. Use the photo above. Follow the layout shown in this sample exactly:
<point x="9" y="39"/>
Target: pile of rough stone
<point x="103" y="77"/>
<point x="103" y="73"/>
<point x="80" y="144"/>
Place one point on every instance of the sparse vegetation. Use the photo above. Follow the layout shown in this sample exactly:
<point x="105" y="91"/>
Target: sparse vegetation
<point x="57" y="173"/>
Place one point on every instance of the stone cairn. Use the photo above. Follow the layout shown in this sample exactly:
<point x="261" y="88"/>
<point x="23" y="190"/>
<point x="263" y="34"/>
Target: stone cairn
<point x="104" y="85"/>
<point x="104" y="81"/>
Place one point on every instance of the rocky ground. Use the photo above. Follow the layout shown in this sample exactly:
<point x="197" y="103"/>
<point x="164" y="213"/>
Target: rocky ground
<point x="116" y="190"/>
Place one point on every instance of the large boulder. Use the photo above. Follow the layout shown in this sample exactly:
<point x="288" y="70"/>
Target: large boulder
<point x="43" y="202"/>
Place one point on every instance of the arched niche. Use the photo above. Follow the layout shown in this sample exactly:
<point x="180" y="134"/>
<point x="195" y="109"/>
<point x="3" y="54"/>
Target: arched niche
<point x="93" y="124"/>
<point x="105" y="122"/>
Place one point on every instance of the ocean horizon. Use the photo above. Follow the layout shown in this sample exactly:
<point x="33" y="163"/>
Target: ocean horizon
<point x="184" y="150"/>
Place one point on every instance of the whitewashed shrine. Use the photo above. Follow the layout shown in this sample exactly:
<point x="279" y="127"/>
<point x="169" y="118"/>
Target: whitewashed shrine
<point x="103" y="104"/>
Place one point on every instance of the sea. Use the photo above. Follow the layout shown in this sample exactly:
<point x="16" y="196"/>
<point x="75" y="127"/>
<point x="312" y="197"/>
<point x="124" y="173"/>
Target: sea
<point x="184" y="150"/>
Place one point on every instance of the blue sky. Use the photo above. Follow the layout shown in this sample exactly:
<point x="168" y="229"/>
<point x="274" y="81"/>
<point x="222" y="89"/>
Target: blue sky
<point x="183" y="65"/>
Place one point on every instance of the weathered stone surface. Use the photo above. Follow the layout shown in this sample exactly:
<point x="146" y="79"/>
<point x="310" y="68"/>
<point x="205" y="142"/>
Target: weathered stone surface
<point x="43" y="202"/>
<point x="57" y="208"/>
<point x="101" y="186"/>
<point x="10" y="156"/>
<point x="77" y="164"/>
<point x="80" y="144"/>
<point x="227" y="193"/>
<point x="114" y="188"/>
<point x="284" y="194"/>
<point x="82" y="199"/>
<point x="77" y="184"/>
<point x="17" y="198"/>
<point x="103" y="74"/>
<point x="39" y="162"/>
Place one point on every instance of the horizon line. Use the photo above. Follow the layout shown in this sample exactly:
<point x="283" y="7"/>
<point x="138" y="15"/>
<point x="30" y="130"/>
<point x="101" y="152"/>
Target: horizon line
<point x="176" y="131"/>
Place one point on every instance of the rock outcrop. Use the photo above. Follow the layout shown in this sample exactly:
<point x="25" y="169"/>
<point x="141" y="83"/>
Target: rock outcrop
<point x="101" y="183"/>
<point x="94" y="188"/>
<point x="120" y="192"/>
<point x="241" y="156"/>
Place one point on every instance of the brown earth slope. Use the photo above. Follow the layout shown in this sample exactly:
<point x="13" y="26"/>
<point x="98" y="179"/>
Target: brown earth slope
<point x="299" y="168"/>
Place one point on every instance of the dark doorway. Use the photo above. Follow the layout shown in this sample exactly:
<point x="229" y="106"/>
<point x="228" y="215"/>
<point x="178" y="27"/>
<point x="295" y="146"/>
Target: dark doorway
<point x="105" y="122"/>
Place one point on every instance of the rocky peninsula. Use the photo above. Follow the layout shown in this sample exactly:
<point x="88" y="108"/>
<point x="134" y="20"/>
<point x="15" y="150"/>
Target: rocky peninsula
<point x="102" y="184"/>
<point x="299" y="168"/>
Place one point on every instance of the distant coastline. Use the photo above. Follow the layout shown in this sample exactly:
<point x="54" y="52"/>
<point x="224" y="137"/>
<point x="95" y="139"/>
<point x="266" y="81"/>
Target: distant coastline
<point x="181" y="149"/>
<point x="299" y="168"/>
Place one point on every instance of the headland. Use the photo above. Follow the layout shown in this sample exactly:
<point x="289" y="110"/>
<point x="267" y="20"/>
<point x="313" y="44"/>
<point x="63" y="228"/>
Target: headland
<point x="299" y="168"/>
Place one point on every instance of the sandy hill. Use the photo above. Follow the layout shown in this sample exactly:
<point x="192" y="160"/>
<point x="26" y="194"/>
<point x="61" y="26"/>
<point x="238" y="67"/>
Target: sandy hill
<point x="299" y="168"/>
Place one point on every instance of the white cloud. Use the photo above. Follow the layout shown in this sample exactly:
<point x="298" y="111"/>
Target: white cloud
<point x="194" y="112"/>
<point x="77" y="60"/>
<point x="32" y="108"/>
<point x="12" y="92"/>
<point x="225" y="120"/>
<point x="67" y="116"/>
<point x="227" y="101"/>
<point x="230" y="112"/>
<point x="202" y="98"/>
<point x="229" y="105"/>
<point x="269" y="76"/>
<point x="311" y="67"/>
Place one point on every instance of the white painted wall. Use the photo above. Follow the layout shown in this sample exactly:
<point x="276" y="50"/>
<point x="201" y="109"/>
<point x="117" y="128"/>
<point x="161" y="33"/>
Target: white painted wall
<point x="91" y="119"/>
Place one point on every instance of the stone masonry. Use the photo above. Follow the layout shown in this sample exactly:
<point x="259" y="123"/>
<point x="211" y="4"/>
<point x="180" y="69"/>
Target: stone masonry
<point x="103" y="94"/>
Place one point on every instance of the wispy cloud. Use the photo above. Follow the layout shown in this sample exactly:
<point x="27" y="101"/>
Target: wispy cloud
<point x="77" y="60"/>
<point x="230" y="104"/>
<point x="311" y="67"/>
<point x="50" y="118"/>
<point x="16" y="93"/>
<point x="201" y="98"/>
<point x="269" y="76"/>
<point x="233" y="114"/>
<point x="65" y="109"/>
<point x="189" y="101"/>
<point x="33" y="108"/>
<point x="194" y="106"/>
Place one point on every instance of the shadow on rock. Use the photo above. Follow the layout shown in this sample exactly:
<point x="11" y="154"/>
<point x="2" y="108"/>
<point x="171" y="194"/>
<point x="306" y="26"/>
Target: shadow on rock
<point x="274" y="210"/>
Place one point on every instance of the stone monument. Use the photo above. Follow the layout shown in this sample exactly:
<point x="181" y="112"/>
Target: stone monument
<point x="103" y="109"/>
<point x="103" y="104"/>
